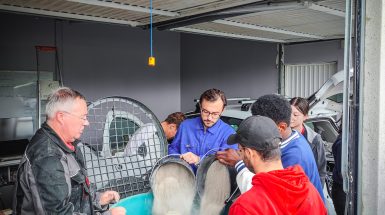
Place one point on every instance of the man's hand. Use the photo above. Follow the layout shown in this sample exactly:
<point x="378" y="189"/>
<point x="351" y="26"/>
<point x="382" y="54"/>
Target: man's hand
<point x="228" y="157"/>
<point x="190" y="158"/>
<point x="118" y="211"/>
<point x="108" y="197"/>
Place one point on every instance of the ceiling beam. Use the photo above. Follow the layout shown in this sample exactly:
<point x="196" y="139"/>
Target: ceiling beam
<point x="221" y="34"/>
<point x="125" y="7"/>
<point x="327" y="10"/>
<point x="66" y="15"/>
<point x="239" y="10"/>
<point x="269" y="29"/>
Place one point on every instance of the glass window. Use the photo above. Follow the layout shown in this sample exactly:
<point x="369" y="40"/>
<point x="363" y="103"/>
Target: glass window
<point x="233" y="122"/>
<point x="121" y="129"/>
<point x="18" y="94"/>
<point x="325" y="128"/>
<point x="337" y="98"/>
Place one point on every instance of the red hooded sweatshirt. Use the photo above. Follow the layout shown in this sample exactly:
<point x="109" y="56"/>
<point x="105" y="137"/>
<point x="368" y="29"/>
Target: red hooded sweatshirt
<point x="286" y="191"/>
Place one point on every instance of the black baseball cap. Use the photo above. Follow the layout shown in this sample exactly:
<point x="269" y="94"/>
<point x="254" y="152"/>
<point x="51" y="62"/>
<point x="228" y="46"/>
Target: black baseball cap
<point x="256" y="132"/>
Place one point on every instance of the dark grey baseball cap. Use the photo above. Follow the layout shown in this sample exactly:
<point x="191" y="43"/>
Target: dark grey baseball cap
<point x="256" y="132"/>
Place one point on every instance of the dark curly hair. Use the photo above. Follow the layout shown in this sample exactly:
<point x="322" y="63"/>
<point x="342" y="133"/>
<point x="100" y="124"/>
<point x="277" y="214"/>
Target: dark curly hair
<point x="276" y="107"/>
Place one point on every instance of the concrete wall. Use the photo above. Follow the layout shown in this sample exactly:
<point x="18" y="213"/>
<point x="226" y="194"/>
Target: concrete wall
<point x="97" y="59"/>
<point x="240" y="68"/>
<point x="371" y="170"/>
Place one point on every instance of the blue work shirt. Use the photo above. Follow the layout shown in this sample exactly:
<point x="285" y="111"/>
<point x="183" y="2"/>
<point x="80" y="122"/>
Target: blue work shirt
<point x="191" y="137"/>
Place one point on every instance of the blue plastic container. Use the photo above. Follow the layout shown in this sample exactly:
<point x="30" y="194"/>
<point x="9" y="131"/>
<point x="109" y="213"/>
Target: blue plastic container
<point x="140" y="204"/>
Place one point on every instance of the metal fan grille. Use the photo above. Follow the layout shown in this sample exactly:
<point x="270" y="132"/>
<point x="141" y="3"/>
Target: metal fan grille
<point x="121" y="145"/>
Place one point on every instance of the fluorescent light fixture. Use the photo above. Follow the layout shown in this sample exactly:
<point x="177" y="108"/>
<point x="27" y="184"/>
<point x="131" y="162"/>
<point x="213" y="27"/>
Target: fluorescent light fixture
<point x="236" y="36"/>
<point x="124" y="7"/>
<point x="269" y="29"/>
<point x="326" y="10"/>
<point x="67" y="15"/>
<point x="24" y="85"/>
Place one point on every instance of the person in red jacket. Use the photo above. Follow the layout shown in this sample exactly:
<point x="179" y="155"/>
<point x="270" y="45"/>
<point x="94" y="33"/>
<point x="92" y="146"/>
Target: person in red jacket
<point x="275" y="190"/>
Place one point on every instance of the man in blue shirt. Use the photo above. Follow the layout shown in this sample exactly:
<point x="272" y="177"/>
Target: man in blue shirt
<point x="206" y="134"/>
<point x="294" y="147"/>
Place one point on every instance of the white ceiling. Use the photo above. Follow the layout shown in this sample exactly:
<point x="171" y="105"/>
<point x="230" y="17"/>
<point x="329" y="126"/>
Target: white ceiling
<point x="281" y="21"/>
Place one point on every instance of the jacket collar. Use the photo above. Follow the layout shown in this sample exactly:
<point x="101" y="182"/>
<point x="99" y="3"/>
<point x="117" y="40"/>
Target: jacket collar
<point x="213" y="129"/>
<point x="55" y="138"/>
<point x="294" y="135"/>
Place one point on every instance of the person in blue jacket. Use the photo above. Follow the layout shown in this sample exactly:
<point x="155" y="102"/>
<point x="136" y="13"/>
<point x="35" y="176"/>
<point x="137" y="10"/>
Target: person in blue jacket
<point x="295" y="149"/>
<point x="207" y="134"/>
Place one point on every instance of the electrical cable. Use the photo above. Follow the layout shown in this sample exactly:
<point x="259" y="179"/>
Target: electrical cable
<point x="57" y="65"/>
<point x="151" y="29"/>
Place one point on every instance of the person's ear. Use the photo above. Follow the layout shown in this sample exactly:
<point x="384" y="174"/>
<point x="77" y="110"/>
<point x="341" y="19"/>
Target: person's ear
<point x="171" y="126"/>
<point x="249" y="152"/>
<point x="305" y="117"/>
<point x="254" y="155"/>
<point x="282" y="126"/>
<point x="59" y="116"/>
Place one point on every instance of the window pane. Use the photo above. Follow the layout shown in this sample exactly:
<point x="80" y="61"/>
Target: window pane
<point x="121" y="129"/>
<point x="233" y="122"/>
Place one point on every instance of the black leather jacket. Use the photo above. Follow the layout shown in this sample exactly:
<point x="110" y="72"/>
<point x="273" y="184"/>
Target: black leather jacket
<point x="51" y="178"/>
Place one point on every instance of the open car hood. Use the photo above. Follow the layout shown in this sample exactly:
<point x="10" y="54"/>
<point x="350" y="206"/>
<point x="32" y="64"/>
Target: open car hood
<point x="327" y="101"/>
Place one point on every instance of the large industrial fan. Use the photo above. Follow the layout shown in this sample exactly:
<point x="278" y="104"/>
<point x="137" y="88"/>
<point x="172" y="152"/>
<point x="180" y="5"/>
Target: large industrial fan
<point x="121" y="145"/>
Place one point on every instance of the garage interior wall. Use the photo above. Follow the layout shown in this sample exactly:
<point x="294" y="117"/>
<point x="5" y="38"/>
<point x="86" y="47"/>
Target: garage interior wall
<point x="240" y="68"/>
<point x="97" y="59"/>
<point x="105" y="60"/>
<point x="316" y="52"/>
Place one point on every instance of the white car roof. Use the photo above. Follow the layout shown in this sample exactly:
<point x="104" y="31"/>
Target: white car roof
<point x="235" y="111"/>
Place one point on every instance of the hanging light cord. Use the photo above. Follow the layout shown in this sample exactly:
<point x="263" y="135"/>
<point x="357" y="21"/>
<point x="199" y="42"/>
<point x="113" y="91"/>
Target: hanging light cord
<point x="151" y="28"/>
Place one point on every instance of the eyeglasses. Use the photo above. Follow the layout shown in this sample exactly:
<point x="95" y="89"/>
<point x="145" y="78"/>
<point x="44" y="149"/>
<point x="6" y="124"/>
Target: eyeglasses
<point x="84" y="118"/>
<point x="207" y="113"/>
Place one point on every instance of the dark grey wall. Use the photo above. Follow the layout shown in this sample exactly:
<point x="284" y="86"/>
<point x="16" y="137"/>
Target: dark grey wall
<point x="317" y="52"/>
<point x="105" y="60"/>
<point x="240" y="68"/>
<point x="18" y="38"/>
<point x="98" y="59"/>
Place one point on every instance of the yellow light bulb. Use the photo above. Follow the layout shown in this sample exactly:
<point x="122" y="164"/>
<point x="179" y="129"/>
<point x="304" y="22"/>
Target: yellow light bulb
<point x="151" y="61"/>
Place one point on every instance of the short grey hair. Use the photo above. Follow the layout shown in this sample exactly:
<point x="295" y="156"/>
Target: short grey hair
<point x="61" y="99"/>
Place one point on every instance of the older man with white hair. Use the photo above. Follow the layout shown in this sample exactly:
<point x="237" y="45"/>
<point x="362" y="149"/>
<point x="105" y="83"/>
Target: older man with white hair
<point x="51" y="178"/>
